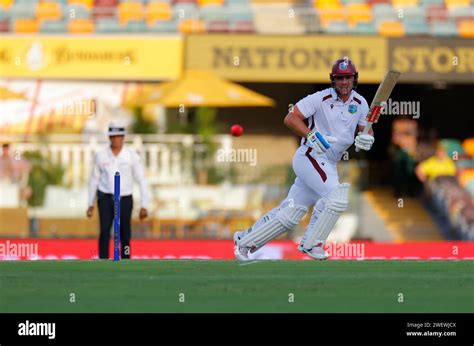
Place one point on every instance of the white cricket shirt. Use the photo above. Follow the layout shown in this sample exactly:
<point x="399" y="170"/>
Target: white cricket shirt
<point x="128" y="163"/>
<point x="326" y="113"/>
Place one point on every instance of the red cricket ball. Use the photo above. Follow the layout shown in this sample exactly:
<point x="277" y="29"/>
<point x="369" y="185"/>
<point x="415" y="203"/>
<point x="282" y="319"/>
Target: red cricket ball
<point x="236" y="130"/>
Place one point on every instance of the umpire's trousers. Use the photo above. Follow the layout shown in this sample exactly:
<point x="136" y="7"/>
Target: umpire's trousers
<point x="106" y="216"/>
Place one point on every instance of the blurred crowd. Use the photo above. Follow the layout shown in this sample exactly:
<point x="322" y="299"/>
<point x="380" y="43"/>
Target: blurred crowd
<point x="441" y="171"/>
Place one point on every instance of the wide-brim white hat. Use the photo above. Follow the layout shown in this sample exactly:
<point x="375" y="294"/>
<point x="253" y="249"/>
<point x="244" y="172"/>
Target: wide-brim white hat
<point x="116" y="130"/>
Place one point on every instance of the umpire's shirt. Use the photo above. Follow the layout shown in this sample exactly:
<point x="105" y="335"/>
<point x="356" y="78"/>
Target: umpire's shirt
<point x="129" y="165"/>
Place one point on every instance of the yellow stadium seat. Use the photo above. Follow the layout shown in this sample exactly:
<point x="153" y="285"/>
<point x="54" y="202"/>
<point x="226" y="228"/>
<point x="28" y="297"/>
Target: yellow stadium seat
<point x="48" y="11"/>
<point x="87" y="3"/>
<point x="392" y="29"/>
<point x="468" y="144"/>
<point x="81" y="26"/>
<point x="330" y="14"/>
<point x="272" y="2"/>
<point x="156" y="11"/>
<point x="6" y="4"/>
<point x="404" y="3"/>
<point x="453" y="3"/>
<point x="210" y="2"/>
<point x="187" y="26"/>
<point x="466" y="28"/>
<point x="357" y="12"/>
<point x="128" y="11"/>
<point x="26" y="25"/>
<point x="466" y="176"/>
<point x="326" y="3"/>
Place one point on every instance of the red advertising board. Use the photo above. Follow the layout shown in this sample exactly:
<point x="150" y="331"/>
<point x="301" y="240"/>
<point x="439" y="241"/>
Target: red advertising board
<point x="50" y="249"/>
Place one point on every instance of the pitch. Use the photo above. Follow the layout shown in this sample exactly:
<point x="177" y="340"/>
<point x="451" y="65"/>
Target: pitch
<point x="229" y="286"/>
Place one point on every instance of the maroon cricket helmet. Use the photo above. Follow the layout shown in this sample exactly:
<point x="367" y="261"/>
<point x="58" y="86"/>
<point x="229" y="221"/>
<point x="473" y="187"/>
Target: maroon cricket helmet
<point x="344" y="67"/>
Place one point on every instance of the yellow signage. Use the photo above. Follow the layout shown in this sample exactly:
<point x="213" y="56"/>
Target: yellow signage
<point x="285" y="58"/>
<point x="105" y="58"/>
<point x="431" y="59"/>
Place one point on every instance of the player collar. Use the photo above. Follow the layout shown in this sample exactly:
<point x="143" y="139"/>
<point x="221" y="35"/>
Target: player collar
<point x="336" y="98"/>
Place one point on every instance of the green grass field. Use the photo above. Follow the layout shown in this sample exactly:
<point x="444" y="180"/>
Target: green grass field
<point x="228" y="286"/>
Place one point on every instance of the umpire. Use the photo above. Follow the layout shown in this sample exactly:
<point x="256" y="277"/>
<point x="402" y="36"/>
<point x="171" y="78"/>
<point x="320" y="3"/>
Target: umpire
<point x="116" y="158"/>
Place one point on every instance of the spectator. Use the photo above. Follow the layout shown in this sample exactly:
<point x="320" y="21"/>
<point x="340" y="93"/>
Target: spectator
<point x="15" y="170"/>
<point x="403" y="151"/>
<point x="404" y="178"/>
<point x="6" y="164"/>
<point x="437" y="165"/>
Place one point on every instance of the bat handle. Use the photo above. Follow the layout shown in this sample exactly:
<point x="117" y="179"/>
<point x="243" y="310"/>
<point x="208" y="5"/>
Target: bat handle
<point x="322" y="140"/>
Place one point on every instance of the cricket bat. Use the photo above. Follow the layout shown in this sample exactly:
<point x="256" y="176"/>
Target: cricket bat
<point x="380" y="98"/>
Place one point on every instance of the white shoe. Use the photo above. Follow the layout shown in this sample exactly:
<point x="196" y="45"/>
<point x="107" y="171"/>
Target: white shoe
<point x="240" y="253"/>
<point x="317" y="252"/>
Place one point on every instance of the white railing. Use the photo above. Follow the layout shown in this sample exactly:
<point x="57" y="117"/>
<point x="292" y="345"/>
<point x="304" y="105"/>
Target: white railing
<point x="168" y="159"/>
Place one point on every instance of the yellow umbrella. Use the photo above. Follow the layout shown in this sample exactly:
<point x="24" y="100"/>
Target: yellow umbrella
<point x="142" y="94"/>
<point x="7" y="94"/>
<point x="199" y="88"/>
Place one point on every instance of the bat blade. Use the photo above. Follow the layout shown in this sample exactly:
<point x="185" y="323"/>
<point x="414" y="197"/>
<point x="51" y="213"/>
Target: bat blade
<point x="382" y="95"/>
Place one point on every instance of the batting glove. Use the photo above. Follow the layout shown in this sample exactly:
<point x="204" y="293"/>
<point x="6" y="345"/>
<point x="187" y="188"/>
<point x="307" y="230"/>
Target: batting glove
<point x="319" y="142"/>
<point x="364" y="142"/>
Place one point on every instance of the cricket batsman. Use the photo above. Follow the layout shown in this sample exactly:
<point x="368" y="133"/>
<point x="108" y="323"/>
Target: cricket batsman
<point x="326" y="121"/>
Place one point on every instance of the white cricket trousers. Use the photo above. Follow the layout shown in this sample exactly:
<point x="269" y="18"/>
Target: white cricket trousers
<point x="315" y="178"/>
